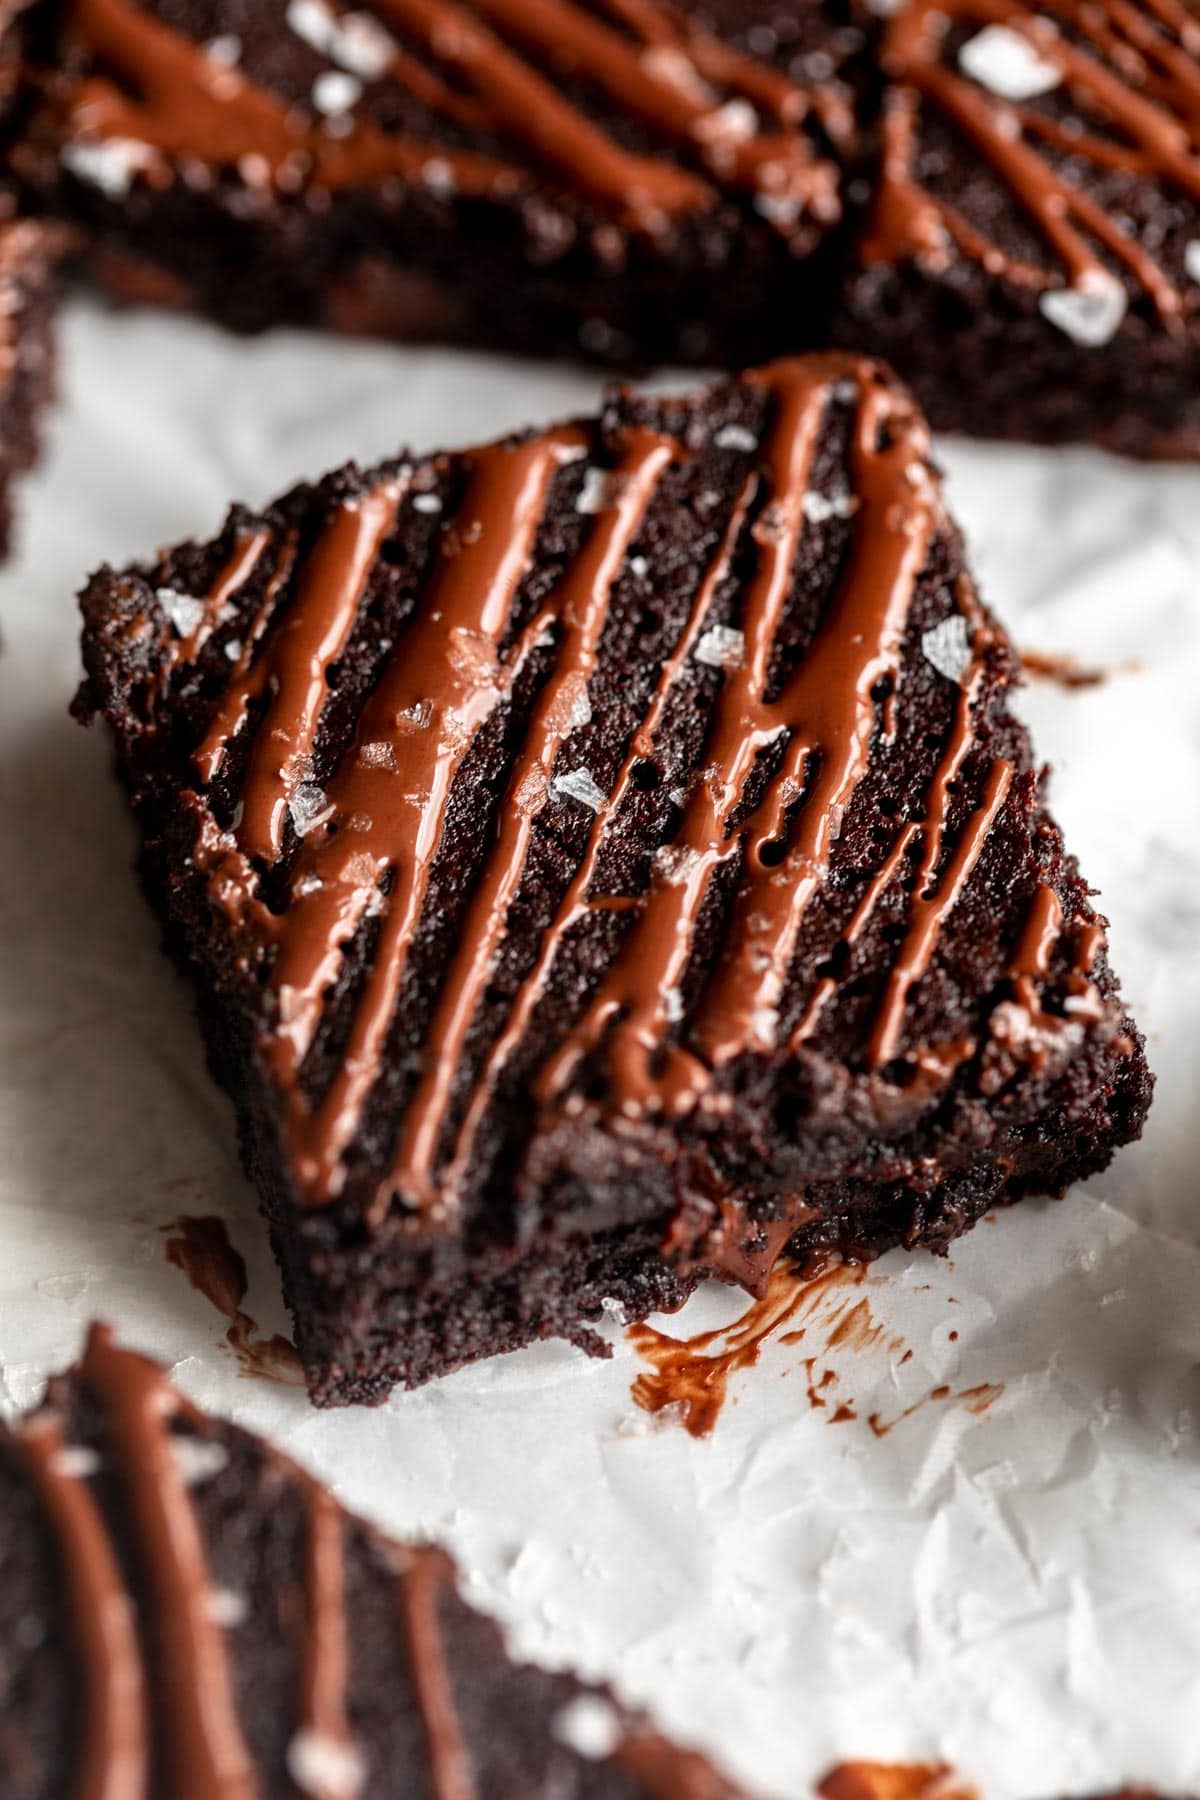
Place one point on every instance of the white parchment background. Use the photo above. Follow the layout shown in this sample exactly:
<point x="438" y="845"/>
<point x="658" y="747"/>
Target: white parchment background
<point x="1017" y="1592"/>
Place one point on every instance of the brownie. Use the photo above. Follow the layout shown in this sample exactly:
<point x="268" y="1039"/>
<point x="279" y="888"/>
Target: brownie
<point x="186" y="1612"/>
<point x="29" y="253"/>
<point x="1031" y="258"/>
<point x="606" y="858"/>
<point x="634" y="179"/>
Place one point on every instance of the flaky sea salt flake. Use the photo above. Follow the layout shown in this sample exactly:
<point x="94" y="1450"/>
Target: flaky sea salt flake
<point x="1089" y="314"/>
<point x="1006" y="63"/>
<point x="335" y="92"/>
<point x="183" y="610"/>
<point x="111" y="165"/>
<point x="1191" y="259"/>
<point x="593" y="494"/>
<point x="197" y="1459"/>
<point x="577" y="784"/>
<point x="309" y="807"/>
<point x="721" y="647"/>
<point x="76" y="1462"/>
<point x="225" y="1607"/>
<point x="818" y="508"/>
<point x="947" y="645"/>
<point x="590" y="1726"/>
<point x="321" y="1766"/>
<point x="735" y="437"/>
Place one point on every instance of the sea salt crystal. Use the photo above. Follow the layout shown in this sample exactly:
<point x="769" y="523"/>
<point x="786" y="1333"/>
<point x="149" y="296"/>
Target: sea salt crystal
<point x="438" y="176"/>
<point x="777" y="209"/>
<point x="594" y="492"/>
<point x="377" y="756"/>
<point x="764" y="1023"/>
<point x="1191" y="259"/>
<point x="674" y="863"/>
<point x="947" y="645"/>
<point x="639" y="567"/>
<point x="415" y="717"/>
<point x="427" y="503"/>
<point x="673" y="1005"/>
<point x="614" y="1309"/>
<point x="735" y="437"/>
<point x="355" y="40"/>
<point x="590" y="1726"/>
<point x="225" y="51"/>
<point x="322" y="1766"/>
<point x="721" y="647"/>
<point x="735" y="123"/>
<point x="197" y="1459"/>
<point x="335" y="92"/>
<point x="817" y="508"/>
<point x="1006" y="63"/>
<point x="1089" y="314"/>
<point x="578" y="784"/>
<point x="183" y="610"/>
<point x="309" y="807"/>
<point x="110" y="166"/>
<point x="225" y="1608"/>
<point x="76" y="1462"/>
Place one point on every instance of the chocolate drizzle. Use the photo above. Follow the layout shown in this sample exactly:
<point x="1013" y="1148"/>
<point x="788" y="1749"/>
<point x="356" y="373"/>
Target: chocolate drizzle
<point x="449" y="1762"/>
<point x="114" y="1752"/>
<point x="364" y="858"/>
<point x="1130" y="71"/>
<point x="205" y="1754"/>
<point x="724" y="120"/>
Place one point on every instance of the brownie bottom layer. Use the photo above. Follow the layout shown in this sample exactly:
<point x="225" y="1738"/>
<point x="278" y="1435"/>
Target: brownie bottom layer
<point x="984" y="362"/>
<point x="387" y="1333"/>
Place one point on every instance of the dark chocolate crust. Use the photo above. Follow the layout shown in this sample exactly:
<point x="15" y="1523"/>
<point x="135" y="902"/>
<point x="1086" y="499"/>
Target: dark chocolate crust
<point x="895" y="1008"/>
<point x="322" y="1660"/>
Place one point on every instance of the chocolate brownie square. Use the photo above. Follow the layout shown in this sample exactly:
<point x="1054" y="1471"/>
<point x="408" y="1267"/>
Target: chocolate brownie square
<point x="1031" y="261"/>
<point x="648" y="179"/>
<point x="605" y="858"/>
<point x="185" y="1612"/>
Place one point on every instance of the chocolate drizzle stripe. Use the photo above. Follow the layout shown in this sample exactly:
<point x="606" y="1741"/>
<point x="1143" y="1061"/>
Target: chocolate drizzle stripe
<point x="655" y="953"/>
<point x="326" y="1671"/>
<point x="531" y="110"/>
<point x="232" y="711"/>
<point x="449" y="1759"/>
<point x="828" y="709"/>
<point x="294" y="670"/>
<point x="931" y="827"/>
<point x="234" y="575"/>
<point x="827" y="715"/>
<point x="654" y="90"/>
<point x="113" y="1760"/>
<point x="581" y="603"/>
<point x="931" y="909"/>
<point x="1160" y="135"/>
<point x="390" y="794"/>
<point x="1039" y="935"/>
<point x="205" y="1754"/>
<point x="575" y="903"/>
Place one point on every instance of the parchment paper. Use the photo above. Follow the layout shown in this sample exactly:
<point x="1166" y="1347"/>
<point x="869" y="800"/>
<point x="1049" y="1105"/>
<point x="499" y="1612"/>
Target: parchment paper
<point x="1015" y="1589"/>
